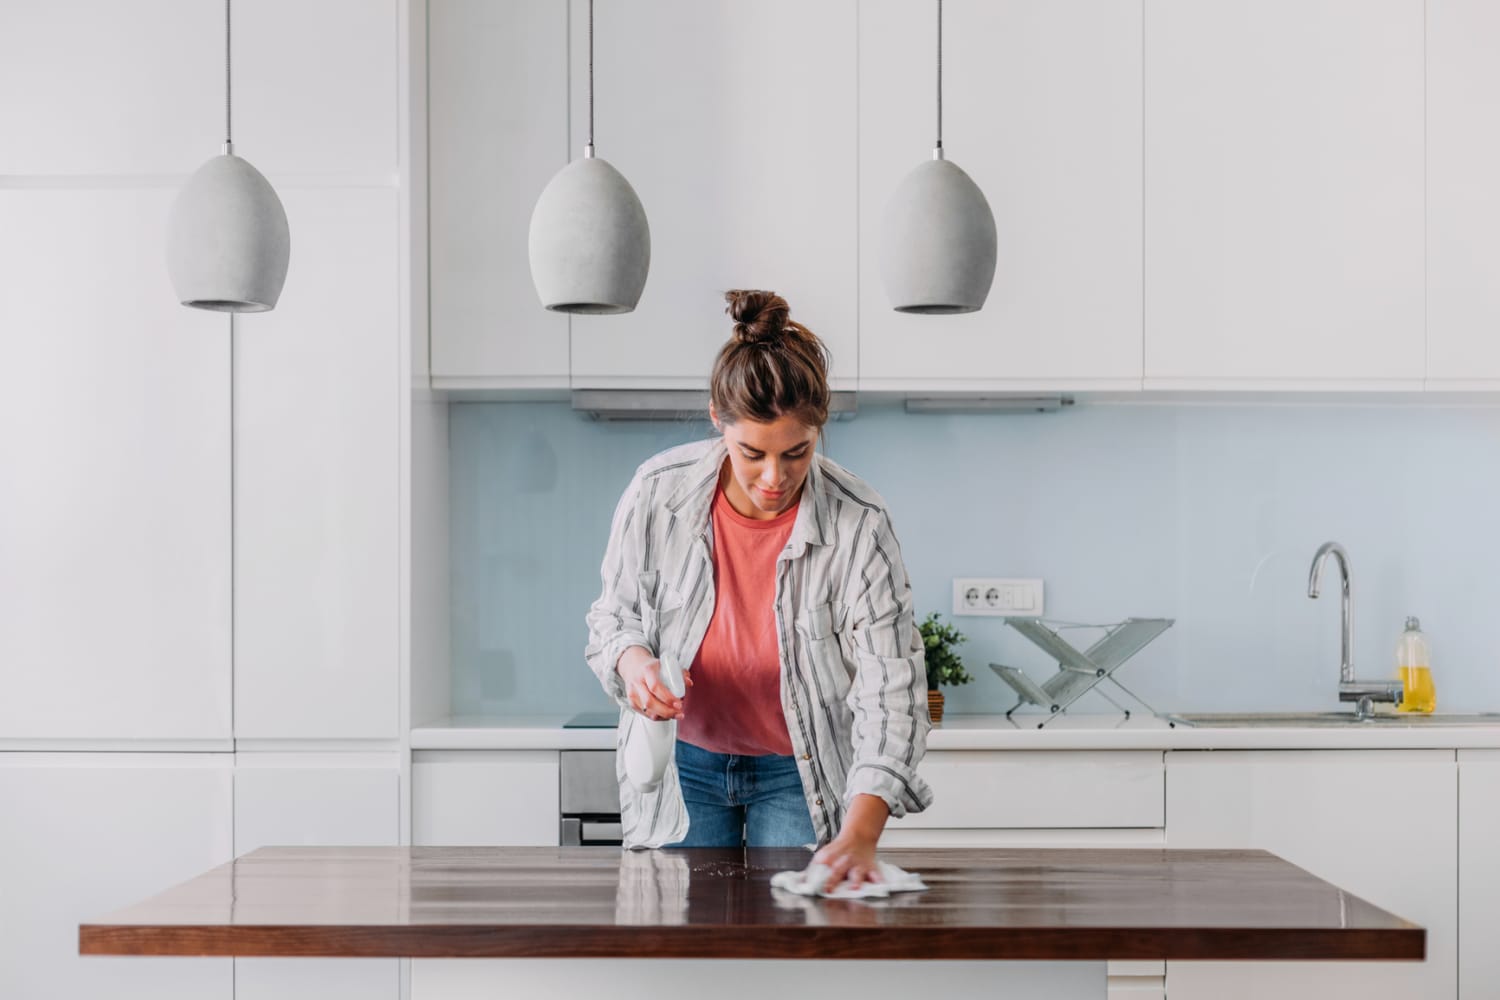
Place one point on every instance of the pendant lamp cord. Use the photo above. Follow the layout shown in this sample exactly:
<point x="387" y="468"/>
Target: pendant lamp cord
<point x="228" y="106"/>
<point x="939" y="74"/>
<point x="589" y="149"/>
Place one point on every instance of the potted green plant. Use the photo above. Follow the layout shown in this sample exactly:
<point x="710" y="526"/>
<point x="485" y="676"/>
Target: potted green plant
<point x="943" y="664"/>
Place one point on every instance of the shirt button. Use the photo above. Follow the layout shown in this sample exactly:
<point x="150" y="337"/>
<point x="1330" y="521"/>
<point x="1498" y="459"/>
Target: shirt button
<point x="807" y="756"/>
<point x="819" y="802"/>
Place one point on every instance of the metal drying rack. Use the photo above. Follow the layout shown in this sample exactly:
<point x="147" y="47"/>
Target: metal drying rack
<point x="1078" y="672"/>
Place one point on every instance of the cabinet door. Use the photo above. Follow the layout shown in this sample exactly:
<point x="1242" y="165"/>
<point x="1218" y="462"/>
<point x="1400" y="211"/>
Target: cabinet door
<point x="1380" y="823"/>
<point x="1003" y="789"/>
<point x="317" y="443"/>
<point x="1042" y="108"/>
<point x="114" y="502"/>
<point x="1463" y="201"/>
<point x="138" y="88"/>
<point x="110" y="88"/>
<point x="497" y="132"/>
<point x="1478" y="873"/>
<point x="318" y="385"/>
<point x="315" y="89"/>
<point x="735" y="123"/>
<point x="315" y="799"/>
<point x="87" y="834"/>
<point x="492" y="797"/>
<point x="1284" y="194"/>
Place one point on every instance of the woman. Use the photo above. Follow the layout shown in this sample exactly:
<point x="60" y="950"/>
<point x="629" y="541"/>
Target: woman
<point x="776" y="575"/>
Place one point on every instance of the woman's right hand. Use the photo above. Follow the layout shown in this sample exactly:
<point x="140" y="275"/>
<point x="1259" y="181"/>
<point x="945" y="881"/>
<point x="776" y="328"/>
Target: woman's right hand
<point x="644" y="689"/>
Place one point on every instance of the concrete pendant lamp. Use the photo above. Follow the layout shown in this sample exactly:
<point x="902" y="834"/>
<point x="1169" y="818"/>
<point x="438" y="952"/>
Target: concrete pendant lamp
<point x="228" y="242"/>
<point x="589" y="244"/>
<point x="938" y="245"/>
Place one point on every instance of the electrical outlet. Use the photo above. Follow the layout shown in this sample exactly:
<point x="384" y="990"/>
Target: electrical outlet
<point x="998" y="597"/>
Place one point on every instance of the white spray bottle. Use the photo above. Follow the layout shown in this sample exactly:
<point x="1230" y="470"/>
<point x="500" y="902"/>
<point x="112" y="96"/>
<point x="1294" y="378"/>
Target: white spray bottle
<point x="650" y="743"/>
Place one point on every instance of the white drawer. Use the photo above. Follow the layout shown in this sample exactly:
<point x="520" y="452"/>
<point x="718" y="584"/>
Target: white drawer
<point x="1042" y="789"/>
<point x="899" y="834"/>
<point x="490" y="797"/>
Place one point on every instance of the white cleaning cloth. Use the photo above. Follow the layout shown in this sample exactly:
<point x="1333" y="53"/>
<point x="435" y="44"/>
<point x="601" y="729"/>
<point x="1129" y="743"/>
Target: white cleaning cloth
<point x="810" y="882"/>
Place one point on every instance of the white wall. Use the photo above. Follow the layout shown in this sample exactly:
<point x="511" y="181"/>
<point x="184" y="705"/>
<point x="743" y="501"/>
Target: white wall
<point x="1207" y="514"/>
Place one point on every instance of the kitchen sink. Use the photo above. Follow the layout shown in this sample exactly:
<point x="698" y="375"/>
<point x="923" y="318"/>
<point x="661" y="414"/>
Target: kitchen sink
<point x="1282" y="720"/>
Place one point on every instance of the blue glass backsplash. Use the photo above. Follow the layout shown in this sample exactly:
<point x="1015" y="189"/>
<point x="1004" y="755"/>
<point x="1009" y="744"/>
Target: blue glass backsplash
<point x="1209" y="514"/>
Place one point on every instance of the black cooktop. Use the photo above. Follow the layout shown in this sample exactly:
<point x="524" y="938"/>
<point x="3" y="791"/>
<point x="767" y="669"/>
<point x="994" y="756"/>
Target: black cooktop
<point x="593" y="720"/>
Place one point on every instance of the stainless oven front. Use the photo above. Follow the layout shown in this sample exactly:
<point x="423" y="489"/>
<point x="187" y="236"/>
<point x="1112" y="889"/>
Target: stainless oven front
<point x="590" y="798"/>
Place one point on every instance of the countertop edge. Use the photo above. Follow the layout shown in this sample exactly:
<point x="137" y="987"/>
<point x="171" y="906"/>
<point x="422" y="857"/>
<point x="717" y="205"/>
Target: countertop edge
<point x="896" y="943"/>
<point x="997" y="733"/>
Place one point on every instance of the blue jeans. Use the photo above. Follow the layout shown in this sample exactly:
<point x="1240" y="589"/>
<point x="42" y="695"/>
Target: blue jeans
<point x="735" y="801"/>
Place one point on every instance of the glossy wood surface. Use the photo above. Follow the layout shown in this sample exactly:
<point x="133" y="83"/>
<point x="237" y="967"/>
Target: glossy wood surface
<point x="432" y="902"/>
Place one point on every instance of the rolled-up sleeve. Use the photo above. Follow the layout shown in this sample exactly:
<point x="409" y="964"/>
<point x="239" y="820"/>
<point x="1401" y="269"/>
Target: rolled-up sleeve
<point x="888" y="696"/>
<point x="614" y="620"/>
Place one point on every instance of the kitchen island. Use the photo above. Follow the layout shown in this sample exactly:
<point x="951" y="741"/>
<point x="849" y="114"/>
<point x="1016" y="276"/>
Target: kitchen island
<point x="674" y="923"/>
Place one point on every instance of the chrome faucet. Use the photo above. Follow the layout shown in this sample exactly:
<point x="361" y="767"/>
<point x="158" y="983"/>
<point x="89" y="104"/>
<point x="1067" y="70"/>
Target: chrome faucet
<point x="1363" y="693"/>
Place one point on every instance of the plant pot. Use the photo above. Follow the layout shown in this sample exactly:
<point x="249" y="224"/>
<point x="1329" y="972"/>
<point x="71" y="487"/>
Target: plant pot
<point x="935" y="705"/>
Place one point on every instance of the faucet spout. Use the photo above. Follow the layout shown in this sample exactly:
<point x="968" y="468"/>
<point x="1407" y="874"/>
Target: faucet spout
<point x="1362" y="693"/>
<point x="1346" y="604"/>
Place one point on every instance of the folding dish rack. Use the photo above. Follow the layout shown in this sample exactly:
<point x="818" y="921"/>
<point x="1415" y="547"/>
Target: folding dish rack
<point x="1078" y="672"/>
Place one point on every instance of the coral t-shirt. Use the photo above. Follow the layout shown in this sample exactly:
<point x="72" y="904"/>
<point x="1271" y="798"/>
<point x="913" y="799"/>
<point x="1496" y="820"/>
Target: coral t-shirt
<point x="734" y="705"/>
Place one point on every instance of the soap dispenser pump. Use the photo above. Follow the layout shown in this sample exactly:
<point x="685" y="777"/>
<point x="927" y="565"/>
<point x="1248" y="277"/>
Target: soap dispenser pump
<point x="1414" y="664"/>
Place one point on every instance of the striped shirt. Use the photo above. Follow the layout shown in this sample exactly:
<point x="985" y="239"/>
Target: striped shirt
<point x="853" y="676"/>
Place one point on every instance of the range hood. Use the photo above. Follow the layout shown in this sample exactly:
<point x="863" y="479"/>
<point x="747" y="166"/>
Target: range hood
<point x="673" y="404"/>
<point x="968" y="403"/>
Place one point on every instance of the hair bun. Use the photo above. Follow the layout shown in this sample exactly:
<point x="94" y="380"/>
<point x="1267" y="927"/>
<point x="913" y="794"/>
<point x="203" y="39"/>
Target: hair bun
<point x="759" y="316"/>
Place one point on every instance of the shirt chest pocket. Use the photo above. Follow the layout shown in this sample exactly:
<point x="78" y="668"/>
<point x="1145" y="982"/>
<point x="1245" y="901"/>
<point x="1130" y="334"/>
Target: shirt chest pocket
<point x="661" y="610"/>
<point x="817" y="631"/>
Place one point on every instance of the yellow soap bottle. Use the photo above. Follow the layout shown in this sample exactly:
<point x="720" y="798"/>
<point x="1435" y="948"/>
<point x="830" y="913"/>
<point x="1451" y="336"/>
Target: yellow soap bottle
<point x="1415" y="667"/>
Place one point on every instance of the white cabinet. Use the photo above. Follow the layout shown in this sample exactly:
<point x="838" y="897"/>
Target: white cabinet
<point x="139" y="88"/>
<point x="490" y="797"/>
<point x="1463" y="200"/>
<point x="1042" y="107"/>
<point x="1478" y="873"/>
<point x="498" y="131"/>
<point x="119" y="442"/>
<point x="1380" y="823"/>
<point x="87" y="834"/>
<point x="315" y="88"/>
<point x="328" y="798"/>
<point x="100" y="93"/>
<point x="322" y="799"/>
<point x="999" y="789"/>
<point x="735" y="123"/>
<point x="1284" y="193"/>
<point x="317" y="498"/>
<point x="114" y="509"/>
<point x="318" y="383"/>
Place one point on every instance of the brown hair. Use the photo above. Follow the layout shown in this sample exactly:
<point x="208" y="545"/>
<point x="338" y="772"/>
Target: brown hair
<point x="771" y="367"/>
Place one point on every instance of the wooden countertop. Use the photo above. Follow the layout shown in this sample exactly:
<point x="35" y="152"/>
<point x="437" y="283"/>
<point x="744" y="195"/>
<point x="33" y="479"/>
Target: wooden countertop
<point x="451" y="902"/>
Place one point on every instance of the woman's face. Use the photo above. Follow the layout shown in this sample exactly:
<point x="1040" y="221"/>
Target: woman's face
<point x="768" y="463"/>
